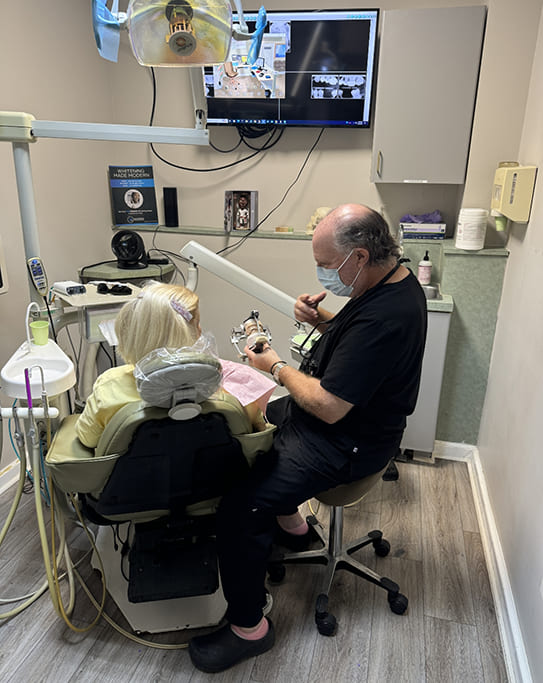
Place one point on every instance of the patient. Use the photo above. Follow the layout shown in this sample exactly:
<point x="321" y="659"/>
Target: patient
<point x="162" y="315"/>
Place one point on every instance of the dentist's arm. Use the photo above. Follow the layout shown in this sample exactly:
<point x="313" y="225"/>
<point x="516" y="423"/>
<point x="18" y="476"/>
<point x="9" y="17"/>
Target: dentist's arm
<point x="305" y="390"/>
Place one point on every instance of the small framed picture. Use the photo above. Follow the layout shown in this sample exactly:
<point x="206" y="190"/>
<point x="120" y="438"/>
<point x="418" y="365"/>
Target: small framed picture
<point x="240" y="210"/>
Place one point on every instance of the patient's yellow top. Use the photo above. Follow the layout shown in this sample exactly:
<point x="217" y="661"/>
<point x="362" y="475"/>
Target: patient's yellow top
<point x="112" y="390"/>
<point x="116" y="387"/>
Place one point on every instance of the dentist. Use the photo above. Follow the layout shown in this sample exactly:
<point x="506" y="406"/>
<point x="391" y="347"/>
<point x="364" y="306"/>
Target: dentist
<point x="343" y="417"/>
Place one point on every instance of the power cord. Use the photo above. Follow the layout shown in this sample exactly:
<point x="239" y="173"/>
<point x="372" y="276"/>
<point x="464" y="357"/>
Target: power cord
<point x="244" y="132"/>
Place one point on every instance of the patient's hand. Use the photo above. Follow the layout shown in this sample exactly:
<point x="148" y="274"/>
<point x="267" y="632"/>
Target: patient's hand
<point x="257" y="418"/>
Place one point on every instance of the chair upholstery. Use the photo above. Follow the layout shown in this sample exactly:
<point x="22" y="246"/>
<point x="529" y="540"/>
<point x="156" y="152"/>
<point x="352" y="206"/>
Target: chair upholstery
<point x="165" y="475"/>
<point x="336" y="555"/>
<point x="76" y="468"/>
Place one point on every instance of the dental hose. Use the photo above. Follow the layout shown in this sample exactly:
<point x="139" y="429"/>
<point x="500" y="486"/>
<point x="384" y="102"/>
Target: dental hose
<point x="20" y="486"/>
<point x="22" y="475"/>
<point x="52" y="581"/>
<point x="51" y="567"/>
<point x="61" y="611"/>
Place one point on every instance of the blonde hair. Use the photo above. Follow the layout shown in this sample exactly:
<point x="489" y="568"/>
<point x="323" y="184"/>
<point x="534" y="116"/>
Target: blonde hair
<point x="157" y="317"/>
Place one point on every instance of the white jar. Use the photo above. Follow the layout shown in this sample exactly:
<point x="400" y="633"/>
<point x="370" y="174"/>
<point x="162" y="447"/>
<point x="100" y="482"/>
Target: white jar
<point x="471" y="229"/>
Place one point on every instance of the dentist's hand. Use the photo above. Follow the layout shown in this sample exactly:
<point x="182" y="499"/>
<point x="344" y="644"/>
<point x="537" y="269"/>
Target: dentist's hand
<point x="264" y="360"/>
<point x="306" y="308"/>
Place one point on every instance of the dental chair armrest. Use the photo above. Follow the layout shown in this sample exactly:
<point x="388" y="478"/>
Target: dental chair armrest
<point x="252" y="443"/>
<point x="66" y="445"/>
<point x="72" y="466"/>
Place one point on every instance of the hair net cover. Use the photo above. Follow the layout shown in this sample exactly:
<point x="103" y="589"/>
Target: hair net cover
<point x="190" y="373"/>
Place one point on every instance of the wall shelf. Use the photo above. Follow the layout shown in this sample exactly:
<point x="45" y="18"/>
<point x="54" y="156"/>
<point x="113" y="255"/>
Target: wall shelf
<point x="216" y="232"/>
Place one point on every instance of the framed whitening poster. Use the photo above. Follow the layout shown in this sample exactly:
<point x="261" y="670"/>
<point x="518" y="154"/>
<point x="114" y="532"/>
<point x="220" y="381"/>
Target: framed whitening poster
<point x="133" y="198"/>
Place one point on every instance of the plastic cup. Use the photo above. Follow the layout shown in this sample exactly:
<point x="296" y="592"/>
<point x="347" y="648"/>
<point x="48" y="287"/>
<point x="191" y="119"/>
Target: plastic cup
<point x="40" y="332"/>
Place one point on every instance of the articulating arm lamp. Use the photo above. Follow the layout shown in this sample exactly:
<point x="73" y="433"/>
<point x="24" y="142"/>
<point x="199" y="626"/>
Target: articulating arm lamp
<point x="197" y="255"/>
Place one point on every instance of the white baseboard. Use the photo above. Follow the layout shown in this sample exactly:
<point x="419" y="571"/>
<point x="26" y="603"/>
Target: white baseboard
<point x="447" y="450"/>
<point x="516" y="661"/>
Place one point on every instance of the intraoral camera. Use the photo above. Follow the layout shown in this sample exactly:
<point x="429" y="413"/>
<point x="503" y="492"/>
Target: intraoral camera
<point x="252" y="333"/>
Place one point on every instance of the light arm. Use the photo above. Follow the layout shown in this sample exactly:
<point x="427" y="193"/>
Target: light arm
<point x="200" y="256"/>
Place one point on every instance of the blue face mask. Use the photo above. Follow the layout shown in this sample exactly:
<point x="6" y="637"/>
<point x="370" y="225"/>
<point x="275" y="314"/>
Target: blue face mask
<point x="330" y="280"/>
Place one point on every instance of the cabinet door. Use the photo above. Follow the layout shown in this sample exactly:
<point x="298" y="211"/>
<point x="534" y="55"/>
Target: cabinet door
<point x="420" y="433"/>
<point x="426" y="87"/>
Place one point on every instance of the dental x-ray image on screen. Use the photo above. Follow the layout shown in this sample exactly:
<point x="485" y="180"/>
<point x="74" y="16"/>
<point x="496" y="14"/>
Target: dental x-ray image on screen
<point x="314" y="69"/>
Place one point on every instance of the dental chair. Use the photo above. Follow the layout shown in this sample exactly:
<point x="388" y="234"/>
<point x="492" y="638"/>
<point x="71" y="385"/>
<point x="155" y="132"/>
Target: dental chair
<point x="153" y="484"/>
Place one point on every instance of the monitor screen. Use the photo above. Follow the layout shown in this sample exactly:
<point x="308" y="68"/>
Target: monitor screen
<point x="315" y="69"/>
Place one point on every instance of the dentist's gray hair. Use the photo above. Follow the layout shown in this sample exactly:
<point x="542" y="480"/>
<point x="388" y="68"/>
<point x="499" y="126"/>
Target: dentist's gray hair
<point x="367" y="230"/>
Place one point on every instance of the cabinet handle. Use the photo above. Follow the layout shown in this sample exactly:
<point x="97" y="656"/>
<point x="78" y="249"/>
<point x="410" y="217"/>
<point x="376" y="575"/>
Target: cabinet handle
<point x="379" y="163"/>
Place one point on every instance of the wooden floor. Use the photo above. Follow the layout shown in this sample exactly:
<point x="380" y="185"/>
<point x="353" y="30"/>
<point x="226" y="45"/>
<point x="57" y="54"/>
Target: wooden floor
<point x="449" y="632"/>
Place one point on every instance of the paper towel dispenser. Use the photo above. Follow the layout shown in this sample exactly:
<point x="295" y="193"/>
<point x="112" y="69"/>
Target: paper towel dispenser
<point x="513" y="190"/>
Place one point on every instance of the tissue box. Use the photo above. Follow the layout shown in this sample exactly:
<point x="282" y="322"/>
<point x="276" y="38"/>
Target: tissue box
<point x="423" y="231"/>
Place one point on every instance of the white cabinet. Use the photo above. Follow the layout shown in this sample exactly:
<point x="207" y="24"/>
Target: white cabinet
<point x="420" y="433"/>
<point x="426" y="87"/>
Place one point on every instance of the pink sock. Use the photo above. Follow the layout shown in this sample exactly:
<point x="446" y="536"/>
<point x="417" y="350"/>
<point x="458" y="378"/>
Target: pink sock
<point x="299" y="530"/>
<point x="252" y="634"/>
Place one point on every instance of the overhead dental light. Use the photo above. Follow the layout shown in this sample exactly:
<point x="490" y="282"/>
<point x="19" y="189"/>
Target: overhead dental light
<point x="181" y="38"/>
<point x="174" y="32"/>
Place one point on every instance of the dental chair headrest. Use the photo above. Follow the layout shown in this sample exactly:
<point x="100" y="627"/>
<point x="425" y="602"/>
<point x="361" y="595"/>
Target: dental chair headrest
<point x="178" y="379"/>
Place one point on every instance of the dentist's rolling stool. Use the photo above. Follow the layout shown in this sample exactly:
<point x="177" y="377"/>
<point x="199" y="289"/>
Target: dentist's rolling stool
<point x="336" y="555"/>
<point x="153" y="484"/>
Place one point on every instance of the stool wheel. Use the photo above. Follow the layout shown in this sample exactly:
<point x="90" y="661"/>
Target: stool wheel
<point x="276" y="572"/>
<point x="326" y="625"/>
<point x="381" y="547"/>
<point x="398" y="603"/>
<point x="326" y="622"/>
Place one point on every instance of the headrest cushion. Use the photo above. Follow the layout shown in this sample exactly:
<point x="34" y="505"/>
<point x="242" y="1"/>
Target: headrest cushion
<point x="169" y="376"/>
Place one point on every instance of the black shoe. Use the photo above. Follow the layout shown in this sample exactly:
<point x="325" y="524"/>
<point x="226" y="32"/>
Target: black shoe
<point x="222" y="649"/>
<point x="293" y="542"/>
<point x="391" y="472"/>
<point x="296" y="543"/>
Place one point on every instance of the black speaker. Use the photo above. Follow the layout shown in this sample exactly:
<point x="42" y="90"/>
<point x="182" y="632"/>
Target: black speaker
<point x="171" y="215"/>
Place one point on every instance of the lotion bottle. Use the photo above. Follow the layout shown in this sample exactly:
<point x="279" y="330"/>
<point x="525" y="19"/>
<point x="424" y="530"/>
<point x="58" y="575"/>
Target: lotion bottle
<point x="424" y="274"/>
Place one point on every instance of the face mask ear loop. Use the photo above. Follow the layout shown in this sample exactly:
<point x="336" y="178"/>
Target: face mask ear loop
<point x="356" y="276"/>
<point x="345" y="260"/>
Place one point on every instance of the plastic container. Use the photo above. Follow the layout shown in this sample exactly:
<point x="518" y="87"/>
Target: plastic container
<point x="424" y="272"/>
<point x="471" y="229"/>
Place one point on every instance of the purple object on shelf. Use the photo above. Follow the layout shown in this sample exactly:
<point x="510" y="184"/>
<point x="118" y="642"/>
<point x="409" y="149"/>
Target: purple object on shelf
<point x="434" y="217"/>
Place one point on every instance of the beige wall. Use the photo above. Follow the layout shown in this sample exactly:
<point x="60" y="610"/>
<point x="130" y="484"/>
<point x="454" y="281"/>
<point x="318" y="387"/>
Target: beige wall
<point x="55" y="72"/>
<point x="510" y="437"/>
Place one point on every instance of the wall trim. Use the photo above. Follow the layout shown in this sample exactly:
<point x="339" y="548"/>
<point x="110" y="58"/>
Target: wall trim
<point x="516" y="661"/>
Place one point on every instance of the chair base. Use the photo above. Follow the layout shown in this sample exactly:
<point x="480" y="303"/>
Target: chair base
<point x="334" y="555"/>
<point x="156" y="616"/>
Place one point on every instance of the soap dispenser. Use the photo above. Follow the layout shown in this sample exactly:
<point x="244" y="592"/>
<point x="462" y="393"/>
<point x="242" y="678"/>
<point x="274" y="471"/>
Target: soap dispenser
<point x="424" y="274"/>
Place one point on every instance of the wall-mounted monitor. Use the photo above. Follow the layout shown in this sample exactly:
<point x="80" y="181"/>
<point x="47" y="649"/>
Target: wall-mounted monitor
<point x="315" y="69"/>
